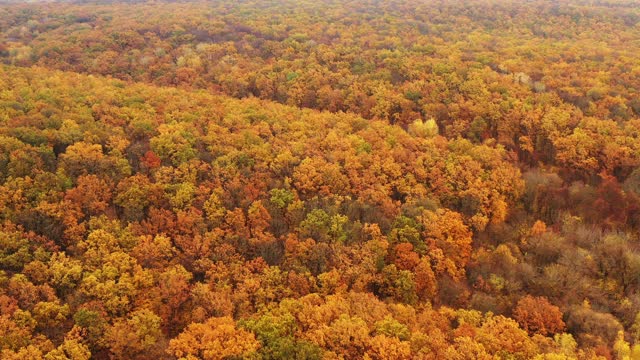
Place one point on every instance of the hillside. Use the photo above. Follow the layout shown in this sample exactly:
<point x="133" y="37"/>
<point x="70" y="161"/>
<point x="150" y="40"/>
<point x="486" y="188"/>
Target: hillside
<point x="320" y="180"/>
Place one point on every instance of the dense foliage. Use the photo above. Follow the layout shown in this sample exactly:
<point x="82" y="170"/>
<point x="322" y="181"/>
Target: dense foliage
<point x="320" y="180"/>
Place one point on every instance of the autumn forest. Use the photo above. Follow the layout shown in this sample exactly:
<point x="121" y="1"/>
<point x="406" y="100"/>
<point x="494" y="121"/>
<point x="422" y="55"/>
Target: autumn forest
<point x="320" y="179"/>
